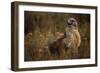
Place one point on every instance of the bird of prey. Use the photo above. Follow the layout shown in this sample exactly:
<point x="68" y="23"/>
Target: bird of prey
<point x="70" y="40"/>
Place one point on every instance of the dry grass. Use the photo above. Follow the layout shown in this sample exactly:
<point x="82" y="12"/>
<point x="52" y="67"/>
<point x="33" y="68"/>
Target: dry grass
<point x="42" y="29"/>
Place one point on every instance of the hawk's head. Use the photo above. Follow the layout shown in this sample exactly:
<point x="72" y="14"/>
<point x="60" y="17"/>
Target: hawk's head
<point x="72" y="23"/>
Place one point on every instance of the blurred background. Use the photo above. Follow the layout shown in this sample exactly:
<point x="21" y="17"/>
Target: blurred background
<point x="42" y="28"/>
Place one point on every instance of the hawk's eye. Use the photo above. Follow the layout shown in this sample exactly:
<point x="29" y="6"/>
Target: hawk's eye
<point x="72" y="21"/>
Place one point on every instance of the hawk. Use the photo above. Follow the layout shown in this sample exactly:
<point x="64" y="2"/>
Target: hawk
<point x="69" y="42"/>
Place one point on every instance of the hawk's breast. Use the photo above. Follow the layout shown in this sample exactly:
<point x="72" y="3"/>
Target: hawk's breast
<point x="72" y="39"/>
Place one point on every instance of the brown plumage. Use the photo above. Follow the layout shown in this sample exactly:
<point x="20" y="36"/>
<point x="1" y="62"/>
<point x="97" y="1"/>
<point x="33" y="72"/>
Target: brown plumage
<point x="70" y="41"/>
